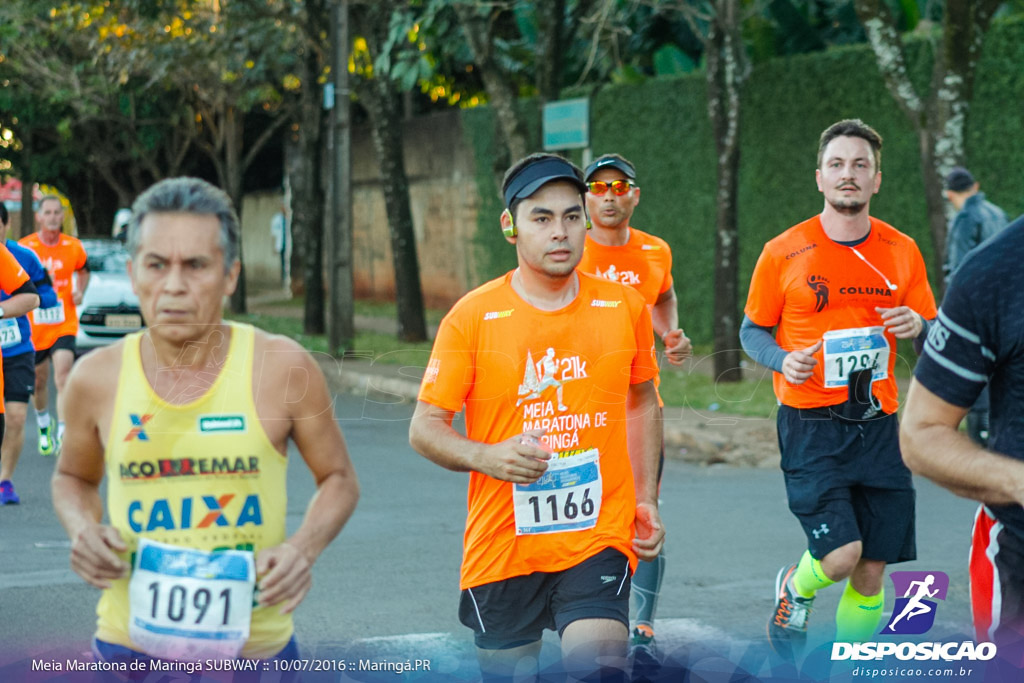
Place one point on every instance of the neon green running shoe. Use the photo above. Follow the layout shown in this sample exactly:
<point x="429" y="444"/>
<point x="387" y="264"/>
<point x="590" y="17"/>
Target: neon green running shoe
<point x="47" y="441"/>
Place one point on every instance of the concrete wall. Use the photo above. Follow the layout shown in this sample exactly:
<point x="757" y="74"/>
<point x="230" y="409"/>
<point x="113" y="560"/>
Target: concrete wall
<point x="442" y="191"/>
<point x="443" y="194"/>
<point x="262" y="263"/>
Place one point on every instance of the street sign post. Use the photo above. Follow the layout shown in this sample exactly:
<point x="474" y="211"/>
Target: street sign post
<point x="566" y="124"/>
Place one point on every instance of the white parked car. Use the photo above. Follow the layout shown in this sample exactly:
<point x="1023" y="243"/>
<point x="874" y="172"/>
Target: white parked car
<point x="109" y="309"/>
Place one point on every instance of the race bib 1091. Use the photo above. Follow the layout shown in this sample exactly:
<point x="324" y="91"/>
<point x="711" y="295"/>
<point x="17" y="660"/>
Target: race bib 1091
<point x="189" y="604"/>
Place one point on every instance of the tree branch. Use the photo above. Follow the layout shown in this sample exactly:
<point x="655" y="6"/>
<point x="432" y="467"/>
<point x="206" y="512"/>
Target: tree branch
<point x="887" y="45"/>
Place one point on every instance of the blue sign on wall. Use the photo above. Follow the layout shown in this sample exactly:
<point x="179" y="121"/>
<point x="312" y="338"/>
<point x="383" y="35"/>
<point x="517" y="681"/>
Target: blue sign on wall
<point x="567" y="124"/>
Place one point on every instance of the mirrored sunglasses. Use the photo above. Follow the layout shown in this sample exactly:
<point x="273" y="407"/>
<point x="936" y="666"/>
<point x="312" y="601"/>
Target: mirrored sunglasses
<point x="619" y="187"/>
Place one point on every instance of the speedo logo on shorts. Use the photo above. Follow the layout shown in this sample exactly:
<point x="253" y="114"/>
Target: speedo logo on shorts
<point x="598" y="303"/>
<point x="495" y="315"/>
<point x="221" y="423"/>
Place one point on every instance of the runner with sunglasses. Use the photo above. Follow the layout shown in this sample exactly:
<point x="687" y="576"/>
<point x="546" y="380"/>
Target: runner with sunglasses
<point x="617" y="251"/>
<point x="840" y="288"/>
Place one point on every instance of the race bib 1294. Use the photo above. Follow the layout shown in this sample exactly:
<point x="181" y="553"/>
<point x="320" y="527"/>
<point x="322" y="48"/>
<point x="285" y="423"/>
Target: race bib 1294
<point x="850" y="350"/>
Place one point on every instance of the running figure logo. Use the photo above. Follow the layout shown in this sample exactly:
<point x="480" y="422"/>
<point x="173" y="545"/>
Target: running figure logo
<point x="914" y="613"/>
<point x="626" y="277"/>
<point x="549" y="371"/>
<point x="532" y="387"/>
<point x="610" y="274"/>
<point x="819" y="286"/>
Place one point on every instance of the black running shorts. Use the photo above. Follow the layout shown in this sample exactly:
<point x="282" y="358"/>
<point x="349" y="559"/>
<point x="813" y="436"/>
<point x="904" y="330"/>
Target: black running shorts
<point x="66" y="342"/>
<point x="515" y="612"/>
<point x="19" y="377"/>
<point x="846" y="481"/>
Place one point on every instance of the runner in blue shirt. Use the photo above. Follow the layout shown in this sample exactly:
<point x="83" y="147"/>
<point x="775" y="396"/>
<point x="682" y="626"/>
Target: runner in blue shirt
<point x="19" y="361"/>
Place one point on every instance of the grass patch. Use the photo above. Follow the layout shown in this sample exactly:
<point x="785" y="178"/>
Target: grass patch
<point x="389" y="310"/>
<point x="384" y="348"/>
<point x="380" y="348"/>
<point x="753" y="397"/>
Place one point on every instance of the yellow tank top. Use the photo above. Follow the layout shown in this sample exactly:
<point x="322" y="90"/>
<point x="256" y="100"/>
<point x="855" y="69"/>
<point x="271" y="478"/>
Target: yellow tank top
<point x="200" y="475"/>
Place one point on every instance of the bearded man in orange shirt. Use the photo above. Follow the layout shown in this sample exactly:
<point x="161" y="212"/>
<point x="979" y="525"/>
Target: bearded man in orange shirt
<point x="840" y="288"/>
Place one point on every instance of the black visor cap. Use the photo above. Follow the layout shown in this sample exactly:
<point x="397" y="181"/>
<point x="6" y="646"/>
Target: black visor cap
<point x="532" y="177"/>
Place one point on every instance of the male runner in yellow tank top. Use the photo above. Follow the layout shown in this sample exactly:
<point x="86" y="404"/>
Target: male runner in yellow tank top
<point x="192" y="436"/>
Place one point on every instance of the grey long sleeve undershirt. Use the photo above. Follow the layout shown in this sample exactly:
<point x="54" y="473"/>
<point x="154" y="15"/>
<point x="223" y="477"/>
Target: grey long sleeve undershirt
<point x="760" y="345"/>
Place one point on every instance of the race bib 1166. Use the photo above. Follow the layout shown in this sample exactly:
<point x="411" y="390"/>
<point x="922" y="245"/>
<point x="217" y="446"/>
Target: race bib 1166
<point x="566" y="498"/>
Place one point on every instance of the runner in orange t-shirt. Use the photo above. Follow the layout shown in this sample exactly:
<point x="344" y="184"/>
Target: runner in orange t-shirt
<point x="550" y="366"/>
<point x="840" y="288"/>
<point x="615" y="250"/>
<point x="54" y="329"/>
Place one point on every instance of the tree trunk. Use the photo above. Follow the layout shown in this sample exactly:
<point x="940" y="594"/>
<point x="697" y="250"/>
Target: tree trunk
<point x="295" y="170"/>
<point x="499" y="86"/>
<point x="726" y="71"/>
<point x="551" y="18"/>
<point x="385" y="120"/>
<point x="28" y="181"/>
<point x="940" y="119"/>
<point x="384" y="104"/>
<point x="933" y="175"/>
<point x="234" y="124"/>
<point x="308" y="197"/>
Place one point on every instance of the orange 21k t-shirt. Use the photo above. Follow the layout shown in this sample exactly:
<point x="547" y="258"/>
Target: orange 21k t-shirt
<point x="514" y="368"/>
<point x="644" y="263"/>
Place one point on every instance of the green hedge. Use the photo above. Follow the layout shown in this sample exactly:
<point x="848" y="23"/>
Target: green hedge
<point x="662" y="126"/>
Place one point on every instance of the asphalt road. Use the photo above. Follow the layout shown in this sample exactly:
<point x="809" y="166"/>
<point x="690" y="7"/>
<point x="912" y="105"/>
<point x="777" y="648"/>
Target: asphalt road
<point x="387" y="588"/>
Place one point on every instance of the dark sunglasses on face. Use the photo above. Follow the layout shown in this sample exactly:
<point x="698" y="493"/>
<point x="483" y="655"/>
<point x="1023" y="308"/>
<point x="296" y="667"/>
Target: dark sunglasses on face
<point x="619" y="187"/>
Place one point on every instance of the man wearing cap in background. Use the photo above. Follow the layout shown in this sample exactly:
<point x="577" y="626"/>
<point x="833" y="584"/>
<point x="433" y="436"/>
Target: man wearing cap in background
<point x="559" y="507"/>
<point x="617" y="251"/>
<point x="976" y="220"/>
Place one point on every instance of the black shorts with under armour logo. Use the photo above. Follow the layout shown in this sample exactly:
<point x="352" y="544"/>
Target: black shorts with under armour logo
<point x="515" y="612"/>
<point x="846" y="481"/>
